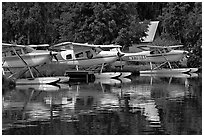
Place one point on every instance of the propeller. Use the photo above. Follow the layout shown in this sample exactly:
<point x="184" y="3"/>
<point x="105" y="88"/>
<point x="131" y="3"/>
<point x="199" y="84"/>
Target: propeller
<point x="120" y="55"/>
<point x="53" y="54"/>
<point x="183" y="61"/>
<point x="186" y="54"/>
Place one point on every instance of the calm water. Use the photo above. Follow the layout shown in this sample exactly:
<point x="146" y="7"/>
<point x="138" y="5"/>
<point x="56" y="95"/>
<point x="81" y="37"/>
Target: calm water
<point x="141" y="105"/>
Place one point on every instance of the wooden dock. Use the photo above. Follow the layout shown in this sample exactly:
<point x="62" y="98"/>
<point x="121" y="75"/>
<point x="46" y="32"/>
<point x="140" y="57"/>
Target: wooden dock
<point x="85" y="76"/>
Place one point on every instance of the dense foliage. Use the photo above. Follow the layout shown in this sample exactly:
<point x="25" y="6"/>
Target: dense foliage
<point x="183" y="23"/>
<point x="97" y="23"/>
<point x="104" y="23"/>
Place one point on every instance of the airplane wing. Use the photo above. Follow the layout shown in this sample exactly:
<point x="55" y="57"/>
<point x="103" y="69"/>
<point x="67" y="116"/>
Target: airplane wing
<point x="78" y="47"/>
<point x="62" y="44"/>
<point x="41" y="45"/>
<point x="147" y="47"/>
<point x="108" y="47"/>
<point x="7" y="46"/>
<point x="162" y="47"/>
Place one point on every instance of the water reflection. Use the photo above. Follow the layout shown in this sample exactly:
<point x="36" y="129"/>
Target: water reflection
<point x="140" y="105"/>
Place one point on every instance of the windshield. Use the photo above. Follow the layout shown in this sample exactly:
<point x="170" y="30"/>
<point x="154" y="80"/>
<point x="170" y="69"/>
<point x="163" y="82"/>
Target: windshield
<point x="27" y="50"/>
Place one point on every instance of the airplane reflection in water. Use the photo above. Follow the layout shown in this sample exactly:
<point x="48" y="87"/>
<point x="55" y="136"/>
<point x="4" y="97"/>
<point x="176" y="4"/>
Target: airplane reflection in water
<point x="143" y="94"/>
<point x="67" y="101"/>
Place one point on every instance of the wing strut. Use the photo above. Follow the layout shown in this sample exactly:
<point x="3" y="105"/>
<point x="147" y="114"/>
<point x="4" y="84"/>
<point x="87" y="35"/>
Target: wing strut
<point x="102" y="68"/>
<point x="23" y="62"/>
<point x="165" y="59"/>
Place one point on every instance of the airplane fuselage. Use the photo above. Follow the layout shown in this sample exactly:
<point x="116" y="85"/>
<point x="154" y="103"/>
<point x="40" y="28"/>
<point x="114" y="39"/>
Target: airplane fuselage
<point x="86" y="58"/>
<point x="148" y="56"/>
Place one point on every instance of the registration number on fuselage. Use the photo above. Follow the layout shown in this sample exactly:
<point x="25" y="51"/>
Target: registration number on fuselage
<point x="138" y="57"/>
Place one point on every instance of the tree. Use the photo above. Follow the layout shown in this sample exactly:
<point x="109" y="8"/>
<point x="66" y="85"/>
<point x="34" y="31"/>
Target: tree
<point x="35" y="22"/>
<point x="150" y="10"/>
<point x="183" y="21"/>
<point x="102" y="23"/>
<point x="96" y="23"/>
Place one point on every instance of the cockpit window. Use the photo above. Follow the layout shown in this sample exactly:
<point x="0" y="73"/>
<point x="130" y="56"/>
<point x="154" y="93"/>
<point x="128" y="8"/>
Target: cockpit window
<point x="79" y="55"/>
<point x="27" y="50"/>
<point x="167" y="50"/>
<point x="89" y="54"/>
<point x="12" y="53"/>
<point x="160" y="51"/>
<point x="97" y="51"/>
<point x="154" y="52"/>
<point x="69" y="56"/>
<point x="19" y="51"/>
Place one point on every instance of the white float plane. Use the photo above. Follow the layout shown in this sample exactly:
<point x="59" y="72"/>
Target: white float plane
<point x="21" y="56"/>
<point x="157" y="54"/>
<point x="87" y="56"/>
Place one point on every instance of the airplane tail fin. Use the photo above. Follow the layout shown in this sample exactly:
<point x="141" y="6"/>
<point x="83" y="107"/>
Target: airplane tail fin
<point x="151" y="31"/>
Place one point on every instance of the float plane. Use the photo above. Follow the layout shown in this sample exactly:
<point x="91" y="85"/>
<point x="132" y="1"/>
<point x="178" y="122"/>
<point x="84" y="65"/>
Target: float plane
<point x="156" y="54"/>
<point x="159" y="55"/>
<point x="87" y="56"/>
<point x="26" y="58"/>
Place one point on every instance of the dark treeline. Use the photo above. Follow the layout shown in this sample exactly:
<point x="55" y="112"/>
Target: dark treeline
<point x="103" y="23"/>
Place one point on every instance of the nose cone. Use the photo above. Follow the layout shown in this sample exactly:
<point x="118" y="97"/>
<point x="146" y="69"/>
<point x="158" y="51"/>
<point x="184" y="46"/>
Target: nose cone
<point x="54" y="53"/>
<point x="185" y="53"/>
<point x="120" y="54"/>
